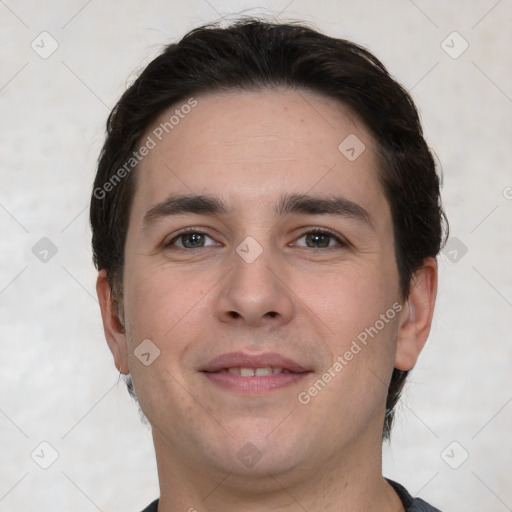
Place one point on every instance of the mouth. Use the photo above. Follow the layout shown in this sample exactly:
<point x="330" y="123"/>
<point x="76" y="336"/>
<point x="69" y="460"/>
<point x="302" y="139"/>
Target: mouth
<point x="253" y="374"/>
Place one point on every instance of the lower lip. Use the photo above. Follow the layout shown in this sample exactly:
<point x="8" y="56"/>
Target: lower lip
<point x="254" y="385"/>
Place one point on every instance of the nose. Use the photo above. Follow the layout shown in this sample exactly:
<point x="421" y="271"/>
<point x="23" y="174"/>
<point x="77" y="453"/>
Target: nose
<point x="256" y="292"/>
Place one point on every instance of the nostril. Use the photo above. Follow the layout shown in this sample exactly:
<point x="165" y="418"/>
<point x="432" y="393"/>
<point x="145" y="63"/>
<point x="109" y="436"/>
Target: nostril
<point x="234" y="314"/>
<point x="272" y="314"/>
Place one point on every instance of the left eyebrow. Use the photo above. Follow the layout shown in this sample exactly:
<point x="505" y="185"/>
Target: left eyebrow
<point x="331" y="205"/>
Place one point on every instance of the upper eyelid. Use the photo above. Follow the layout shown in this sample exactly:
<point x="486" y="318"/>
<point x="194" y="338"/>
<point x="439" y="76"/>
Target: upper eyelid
<point x="341" y="239"/>
<point x="185" y="231"/>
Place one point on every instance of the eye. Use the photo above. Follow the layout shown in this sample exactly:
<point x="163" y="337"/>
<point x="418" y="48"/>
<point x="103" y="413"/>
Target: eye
<point x="191" y="240"/>
<point x="320" y="239"/>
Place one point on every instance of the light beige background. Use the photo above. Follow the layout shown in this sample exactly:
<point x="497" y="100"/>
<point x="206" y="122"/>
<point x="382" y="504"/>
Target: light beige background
<point x="58" y="383"/>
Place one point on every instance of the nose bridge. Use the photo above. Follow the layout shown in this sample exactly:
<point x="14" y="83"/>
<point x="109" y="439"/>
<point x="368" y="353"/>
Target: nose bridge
<point x="254" y="289"/>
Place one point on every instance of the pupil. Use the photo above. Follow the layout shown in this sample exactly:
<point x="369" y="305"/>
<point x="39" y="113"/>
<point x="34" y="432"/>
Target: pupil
<point x="193" y="240"/>
<point x="318" y="238"/>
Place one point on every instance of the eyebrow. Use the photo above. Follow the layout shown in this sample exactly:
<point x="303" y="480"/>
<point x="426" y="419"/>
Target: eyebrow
<point x="330" y="205"/>
<point x="176" y="205"/>
<point x="288" y="204"/>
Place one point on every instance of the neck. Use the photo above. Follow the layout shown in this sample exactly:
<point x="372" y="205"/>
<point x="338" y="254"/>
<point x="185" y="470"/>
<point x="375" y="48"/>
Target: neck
<point x="343" y="483"/>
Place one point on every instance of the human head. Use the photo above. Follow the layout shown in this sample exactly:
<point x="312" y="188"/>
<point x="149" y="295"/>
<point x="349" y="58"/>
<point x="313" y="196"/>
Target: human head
<point x="251" y="55"/>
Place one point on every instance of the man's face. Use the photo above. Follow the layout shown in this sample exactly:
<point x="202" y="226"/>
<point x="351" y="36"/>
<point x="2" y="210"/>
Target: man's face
<point x="271" y="280"/>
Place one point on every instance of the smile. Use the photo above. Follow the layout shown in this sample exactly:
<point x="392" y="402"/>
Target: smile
<point x="253" y="374"/>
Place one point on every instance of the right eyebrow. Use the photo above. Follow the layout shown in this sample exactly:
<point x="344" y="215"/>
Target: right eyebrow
<point x="183" y="204"/>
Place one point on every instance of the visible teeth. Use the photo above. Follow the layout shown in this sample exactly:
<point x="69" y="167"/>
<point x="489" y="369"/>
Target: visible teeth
<point x="260" y="372"/>
<point x="255" y="372"/>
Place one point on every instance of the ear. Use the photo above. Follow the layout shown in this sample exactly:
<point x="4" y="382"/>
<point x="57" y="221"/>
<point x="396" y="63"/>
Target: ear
<point x="416" y="317"/>
<point x="112" y="325"/>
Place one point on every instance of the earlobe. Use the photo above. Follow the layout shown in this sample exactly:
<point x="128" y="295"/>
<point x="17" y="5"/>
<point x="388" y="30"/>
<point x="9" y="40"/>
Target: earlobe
<point x="112" y="324"/>
<point x="416" y="316"/>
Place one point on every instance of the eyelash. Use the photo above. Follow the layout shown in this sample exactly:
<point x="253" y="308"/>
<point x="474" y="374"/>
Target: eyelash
<point x="342" y="243"/>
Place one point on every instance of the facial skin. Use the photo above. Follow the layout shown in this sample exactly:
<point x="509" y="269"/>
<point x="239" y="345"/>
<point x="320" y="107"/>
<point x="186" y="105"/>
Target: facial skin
<point x="304" y="298"/>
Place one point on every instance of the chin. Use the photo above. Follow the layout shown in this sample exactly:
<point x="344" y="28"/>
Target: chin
<point x="260" y="449"/>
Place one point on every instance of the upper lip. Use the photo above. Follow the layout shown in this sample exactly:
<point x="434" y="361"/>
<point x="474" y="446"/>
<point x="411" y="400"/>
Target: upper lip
<point x="244" y="360"/>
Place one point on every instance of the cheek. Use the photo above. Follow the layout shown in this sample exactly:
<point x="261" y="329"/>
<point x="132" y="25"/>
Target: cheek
<point x="361" y="309"/>
<point x="349" y="299"/>
<point x="356" y="304"/>
<point x="158" y="300"/>
<point x="166" y="308"/>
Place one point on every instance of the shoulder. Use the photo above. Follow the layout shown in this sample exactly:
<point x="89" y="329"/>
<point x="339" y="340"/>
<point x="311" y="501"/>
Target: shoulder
<point x="153" y="507"/>
<point x="411" y="504"/>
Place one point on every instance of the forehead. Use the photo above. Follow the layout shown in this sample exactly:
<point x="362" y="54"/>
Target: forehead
<point x="251" y="146"/>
